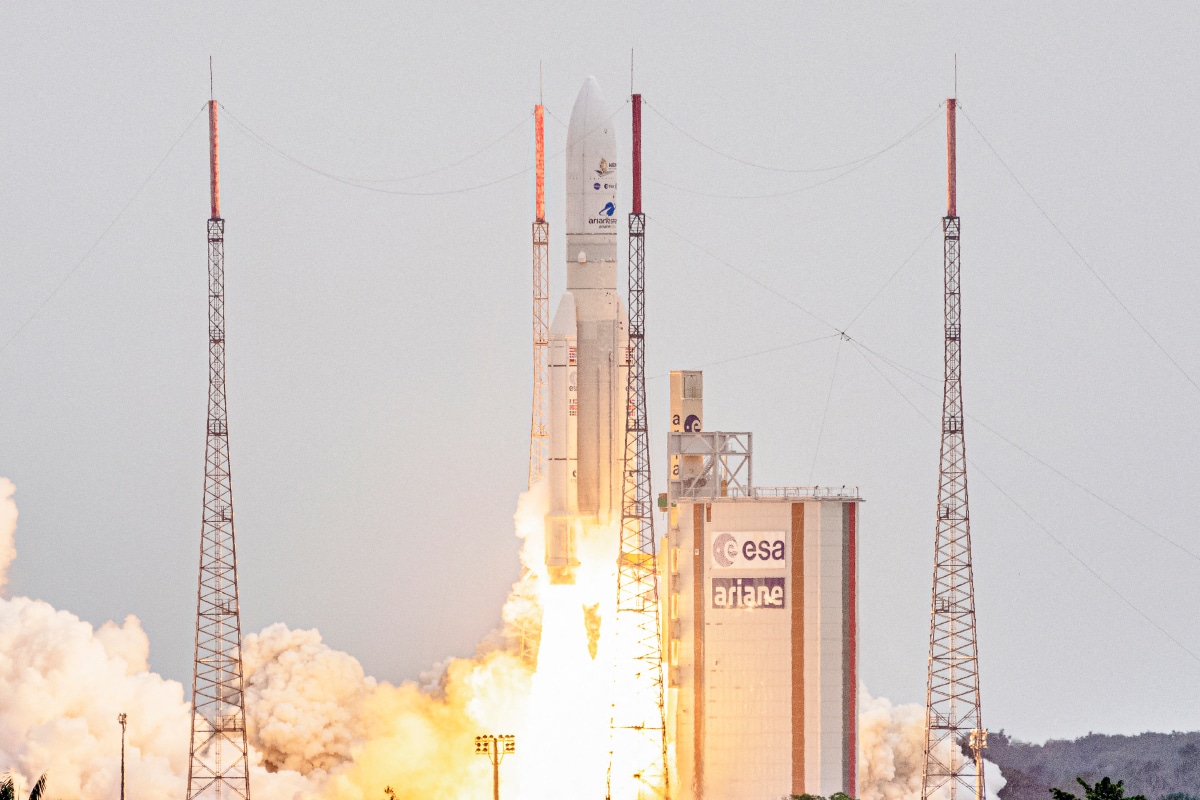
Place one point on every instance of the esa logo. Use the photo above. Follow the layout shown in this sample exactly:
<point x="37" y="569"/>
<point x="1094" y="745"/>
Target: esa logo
<point x="749" y="550"/>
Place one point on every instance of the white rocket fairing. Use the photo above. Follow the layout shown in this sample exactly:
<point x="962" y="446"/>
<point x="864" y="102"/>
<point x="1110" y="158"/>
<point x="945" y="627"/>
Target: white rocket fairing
<point x="588" y="345"/>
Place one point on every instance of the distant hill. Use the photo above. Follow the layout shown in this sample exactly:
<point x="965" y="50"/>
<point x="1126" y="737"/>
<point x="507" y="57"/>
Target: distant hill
<point x="1153" y="764"/>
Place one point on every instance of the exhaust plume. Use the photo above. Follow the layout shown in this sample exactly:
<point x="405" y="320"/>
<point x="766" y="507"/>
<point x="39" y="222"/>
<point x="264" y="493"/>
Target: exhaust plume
<point x="320" y="729"/>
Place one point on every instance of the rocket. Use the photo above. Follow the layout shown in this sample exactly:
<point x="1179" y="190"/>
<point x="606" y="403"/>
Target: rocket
<point x="589" y="353"/>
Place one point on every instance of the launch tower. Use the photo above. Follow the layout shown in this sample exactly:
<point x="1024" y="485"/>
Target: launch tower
<point x="539" y="442"/>
<point x="952" y="718"/>
<point x="217" y="766"/>
<point x="639" y="756"/>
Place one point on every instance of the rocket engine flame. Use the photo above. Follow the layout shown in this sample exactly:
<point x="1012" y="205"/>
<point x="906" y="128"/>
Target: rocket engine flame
<point x="320" y="728"/>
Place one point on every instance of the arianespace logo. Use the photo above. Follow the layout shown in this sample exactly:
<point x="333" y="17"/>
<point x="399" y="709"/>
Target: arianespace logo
<point x="730" y="593"/>
<point x="749" y="550"/>
<point x="605" y="217"/>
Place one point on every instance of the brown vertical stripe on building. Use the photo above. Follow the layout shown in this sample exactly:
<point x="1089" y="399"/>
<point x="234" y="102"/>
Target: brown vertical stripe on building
<point x="849" y="647"/>
<point x="797" y="538"/>
<point x="698" y="606"/>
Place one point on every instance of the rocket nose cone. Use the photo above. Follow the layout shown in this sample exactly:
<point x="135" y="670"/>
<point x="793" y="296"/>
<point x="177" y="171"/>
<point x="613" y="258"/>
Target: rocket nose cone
<point x="591" y="164"/>
<point x="589" y="110"/>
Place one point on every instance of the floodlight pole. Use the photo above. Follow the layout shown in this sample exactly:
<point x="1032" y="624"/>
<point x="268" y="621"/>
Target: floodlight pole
<point x="121" y="718"/>
<point x="495" y="748"/>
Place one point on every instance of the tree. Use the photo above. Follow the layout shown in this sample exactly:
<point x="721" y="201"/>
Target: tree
<point x="8" y="791"/>
<point x="1104" y="790"/>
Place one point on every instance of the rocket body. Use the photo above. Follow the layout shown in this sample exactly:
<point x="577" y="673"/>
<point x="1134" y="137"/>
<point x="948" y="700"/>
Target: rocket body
<point x="589" y="358"/>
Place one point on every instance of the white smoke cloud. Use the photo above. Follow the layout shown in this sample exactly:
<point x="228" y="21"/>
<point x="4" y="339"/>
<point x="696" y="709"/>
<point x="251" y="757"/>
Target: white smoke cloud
<point x="891" y="745"/>
<point x="318" y="726"/>
<point x="62" y="684"/>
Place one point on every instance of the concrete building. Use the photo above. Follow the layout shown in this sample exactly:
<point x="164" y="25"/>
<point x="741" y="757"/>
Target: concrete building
<point x="760" y="621"/>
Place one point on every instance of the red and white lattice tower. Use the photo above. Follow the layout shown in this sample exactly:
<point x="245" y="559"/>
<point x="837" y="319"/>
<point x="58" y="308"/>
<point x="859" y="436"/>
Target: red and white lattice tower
<point x="638" y="761"/>
<point x="954" y="734"/>
<point x="218" y="767"/>
<point x="539" y="442"/>
<point x="527" y="627"/>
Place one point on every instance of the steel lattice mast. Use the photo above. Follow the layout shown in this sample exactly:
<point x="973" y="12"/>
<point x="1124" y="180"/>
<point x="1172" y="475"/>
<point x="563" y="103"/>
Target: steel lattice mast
<point x="539" y="442"/>
<point x="528" y="630"/>
<point x="639" y="730"/>
<point x="952" y="715"/>
<point x="217" y="766"/>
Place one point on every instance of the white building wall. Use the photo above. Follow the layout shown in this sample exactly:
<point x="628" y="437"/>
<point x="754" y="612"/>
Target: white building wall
<point x="746" y="733"/>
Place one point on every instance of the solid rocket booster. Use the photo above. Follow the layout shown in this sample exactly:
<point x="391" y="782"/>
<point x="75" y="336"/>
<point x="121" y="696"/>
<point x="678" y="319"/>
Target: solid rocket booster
<point x="588" y="345"/>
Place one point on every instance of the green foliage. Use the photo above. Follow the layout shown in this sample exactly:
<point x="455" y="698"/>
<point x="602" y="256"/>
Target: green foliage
<point x="8" y="790"/>
<point x="834" y="796"/>
<point x="1104" y="790"/>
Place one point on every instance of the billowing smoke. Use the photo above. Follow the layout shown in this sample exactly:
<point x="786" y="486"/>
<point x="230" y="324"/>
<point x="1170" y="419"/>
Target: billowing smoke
<point x="891" y="744"/>
<point x="318" y="726"/>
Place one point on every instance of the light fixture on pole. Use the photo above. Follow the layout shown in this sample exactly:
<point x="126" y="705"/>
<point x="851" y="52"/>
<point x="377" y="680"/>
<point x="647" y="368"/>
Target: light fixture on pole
<point x="495" y="748"/>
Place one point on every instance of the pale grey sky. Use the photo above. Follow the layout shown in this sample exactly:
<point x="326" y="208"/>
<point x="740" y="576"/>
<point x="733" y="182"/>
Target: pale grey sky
<point x="379" y="343"/>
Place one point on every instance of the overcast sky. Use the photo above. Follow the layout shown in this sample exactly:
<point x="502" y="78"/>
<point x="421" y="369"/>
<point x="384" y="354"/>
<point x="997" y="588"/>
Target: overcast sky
<point x="379" y="343"/>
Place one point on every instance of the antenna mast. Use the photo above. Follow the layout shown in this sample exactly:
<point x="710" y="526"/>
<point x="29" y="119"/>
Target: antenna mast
<point x="639" y="731"/>
<point x="952" y="713"/>
<point x="539" y="443"/>
<point x="217" y="765"/>
<point x="528" y="631"/>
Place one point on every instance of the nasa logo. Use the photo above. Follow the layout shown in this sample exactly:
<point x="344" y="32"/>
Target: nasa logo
<point x="597" y="186"/>
<point x="692" y="424"/>
<point x="725" y="550"/>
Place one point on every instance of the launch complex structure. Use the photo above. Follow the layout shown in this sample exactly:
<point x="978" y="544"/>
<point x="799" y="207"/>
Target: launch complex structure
<point x="735" y="645"/>
<point x="217" y="764"/>
<point x="744" y="632"/>
<point x="952" y="711"/>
